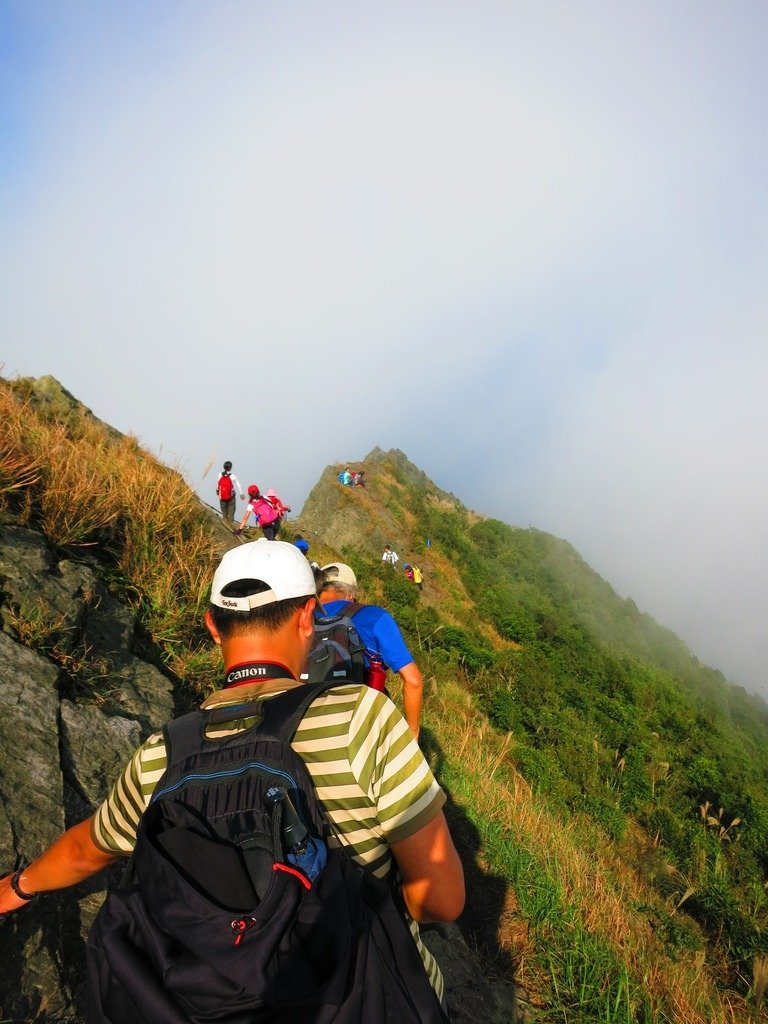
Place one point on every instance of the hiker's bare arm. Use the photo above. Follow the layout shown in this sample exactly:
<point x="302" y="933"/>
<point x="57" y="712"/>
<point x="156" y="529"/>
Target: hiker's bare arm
<point x="433" y="878"/>
<point x="413" y="695"/>
<point x="71" y="858"/>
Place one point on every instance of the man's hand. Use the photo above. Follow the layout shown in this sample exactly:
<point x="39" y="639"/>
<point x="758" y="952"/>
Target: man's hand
<point x="68" y="860"/>
<point x="9" y="901"/>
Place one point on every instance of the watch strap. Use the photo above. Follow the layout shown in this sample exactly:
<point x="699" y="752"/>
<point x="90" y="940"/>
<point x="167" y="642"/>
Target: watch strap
<point x="15" y="877"/>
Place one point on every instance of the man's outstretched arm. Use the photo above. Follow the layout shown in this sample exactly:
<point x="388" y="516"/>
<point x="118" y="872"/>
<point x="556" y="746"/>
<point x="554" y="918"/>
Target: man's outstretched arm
<point x="433" y="878"/>
<point x="413" y="695"/>
<point x="71" y="858"/>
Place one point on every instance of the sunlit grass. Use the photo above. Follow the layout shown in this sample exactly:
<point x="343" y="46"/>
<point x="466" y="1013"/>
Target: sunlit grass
<point x="87" y="488"/>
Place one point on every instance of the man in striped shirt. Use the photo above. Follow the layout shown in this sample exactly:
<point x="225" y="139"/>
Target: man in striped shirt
<point x="371" y="778"/>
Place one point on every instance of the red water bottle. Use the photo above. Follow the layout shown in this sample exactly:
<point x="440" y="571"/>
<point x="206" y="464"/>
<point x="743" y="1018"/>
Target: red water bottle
<point x="377" y="673"/>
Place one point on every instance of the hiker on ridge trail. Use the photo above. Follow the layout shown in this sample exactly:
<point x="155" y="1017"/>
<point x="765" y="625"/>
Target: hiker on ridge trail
<point x="379" y="634"/>
<point x="345" y="477"/>
<point x="357" y="478"/>
<point x="390" y="556"/>
<point x="418" y="576"/>
<point x="278" y="505"/>
<point x="265" y="513"/>
<point x="225" y="491"/>
<point x="385" y="811"/>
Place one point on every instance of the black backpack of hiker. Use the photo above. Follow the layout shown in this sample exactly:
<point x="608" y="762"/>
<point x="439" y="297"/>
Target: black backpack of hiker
<point x="337" y="651"/>
<point x="234" y="909"/>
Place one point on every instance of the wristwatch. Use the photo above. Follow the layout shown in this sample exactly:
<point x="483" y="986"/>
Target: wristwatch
<point x="26" y="896"/>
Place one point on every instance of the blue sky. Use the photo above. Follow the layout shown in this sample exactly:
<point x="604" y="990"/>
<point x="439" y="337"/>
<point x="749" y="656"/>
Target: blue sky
<point x="525" y="243"/>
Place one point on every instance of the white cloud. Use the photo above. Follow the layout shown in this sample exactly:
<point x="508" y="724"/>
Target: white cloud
<point x="526" y="247"/>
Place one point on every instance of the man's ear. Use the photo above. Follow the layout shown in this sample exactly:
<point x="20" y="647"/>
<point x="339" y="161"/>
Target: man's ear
<point x="307" y="617"/>
<point x="208" y="618"/>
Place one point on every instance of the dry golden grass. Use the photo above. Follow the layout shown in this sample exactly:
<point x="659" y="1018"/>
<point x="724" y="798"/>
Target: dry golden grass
<point x="21" y="466"/>
<point x="85" y="486"/>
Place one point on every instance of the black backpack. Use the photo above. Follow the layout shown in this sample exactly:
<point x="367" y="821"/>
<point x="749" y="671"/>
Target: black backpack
<point x="216" y="922"/>
<point x="337" y="651"/>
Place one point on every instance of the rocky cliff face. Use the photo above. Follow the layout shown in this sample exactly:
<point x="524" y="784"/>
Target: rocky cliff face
<point x="59" y="749"/>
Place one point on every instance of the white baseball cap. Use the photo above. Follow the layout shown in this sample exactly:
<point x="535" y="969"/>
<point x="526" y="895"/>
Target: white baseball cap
<point x="338" y="572"/>
<point x="282" y="567"/>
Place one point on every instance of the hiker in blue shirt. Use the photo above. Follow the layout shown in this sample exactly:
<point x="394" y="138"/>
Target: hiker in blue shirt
<point x="301" y="544"/>
<point x="380" y="635"/>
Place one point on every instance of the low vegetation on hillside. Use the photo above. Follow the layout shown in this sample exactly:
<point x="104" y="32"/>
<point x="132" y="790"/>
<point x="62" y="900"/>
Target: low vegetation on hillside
<point x="607" y="791"/>
<point x="617" y="785"/>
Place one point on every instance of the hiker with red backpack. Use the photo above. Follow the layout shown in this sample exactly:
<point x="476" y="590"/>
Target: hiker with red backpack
<point x="225" y="491"/>
<point x="251" y="894"/>
<point x="265" y="513"/>
<point x="381" y="641"/>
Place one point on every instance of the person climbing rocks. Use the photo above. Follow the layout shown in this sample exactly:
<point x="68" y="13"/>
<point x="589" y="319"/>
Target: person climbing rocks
<point x="225" y="491"/>
<point x="264" y="512"/>
<point x="379" y="634"/>
<point x="390" y="556"/>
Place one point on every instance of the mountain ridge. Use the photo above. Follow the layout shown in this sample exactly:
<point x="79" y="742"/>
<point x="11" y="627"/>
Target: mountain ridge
<point x="607" y="791"/>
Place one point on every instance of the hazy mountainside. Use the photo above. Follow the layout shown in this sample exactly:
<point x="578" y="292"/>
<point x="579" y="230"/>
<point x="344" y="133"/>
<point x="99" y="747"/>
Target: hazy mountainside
<point x="607" y="792"/>
<point x="610" y="718"/>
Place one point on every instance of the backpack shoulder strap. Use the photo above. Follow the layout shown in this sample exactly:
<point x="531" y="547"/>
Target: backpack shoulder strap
<point x="282" y="714"/>
<point x="352" y="609"/>
<point x="184" y="736"/>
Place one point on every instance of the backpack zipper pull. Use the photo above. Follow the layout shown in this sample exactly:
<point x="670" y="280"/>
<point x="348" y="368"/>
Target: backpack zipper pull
<point x="241" y="926"/>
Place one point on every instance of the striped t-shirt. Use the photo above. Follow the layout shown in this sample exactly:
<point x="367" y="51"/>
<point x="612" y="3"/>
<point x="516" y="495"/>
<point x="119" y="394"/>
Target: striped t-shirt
<point x="369" y="774"/>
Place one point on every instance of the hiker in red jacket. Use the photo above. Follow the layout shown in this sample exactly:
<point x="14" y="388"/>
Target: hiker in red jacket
<point x="226" y="487"/>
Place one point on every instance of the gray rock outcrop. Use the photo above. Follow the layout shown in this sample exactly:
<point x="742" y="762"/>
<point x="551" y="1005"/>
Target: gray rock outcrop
<point x="68" y="723"/>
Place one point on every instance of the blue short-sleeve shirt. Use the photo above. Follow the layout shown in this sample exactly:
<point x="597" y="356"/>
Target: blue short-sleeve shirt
<point x="378" y="632"/>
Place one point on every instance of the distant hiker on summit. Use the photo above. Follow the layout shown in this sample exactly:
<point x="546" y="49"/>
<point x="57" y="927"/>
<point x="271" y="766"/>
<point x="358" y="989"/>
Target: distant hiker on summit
<point x="264" y="512"/>
<point x="379" y="634"/>
<point x="390" y="556"/>
<point x="267" y="830"/>
<point x="225" y="490"/>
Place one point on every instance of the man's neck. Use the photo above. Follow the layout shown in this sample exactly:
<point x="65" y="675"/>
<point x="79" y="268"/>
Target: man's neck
<point x="239" y="651"/>
<point x="334" y="595"/>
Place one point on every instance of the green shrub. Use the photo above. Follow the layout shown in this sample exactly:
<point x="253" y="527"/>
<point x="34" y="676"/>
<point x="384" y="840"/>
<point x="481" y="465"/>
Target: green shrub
<point x="605" y="813"/>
